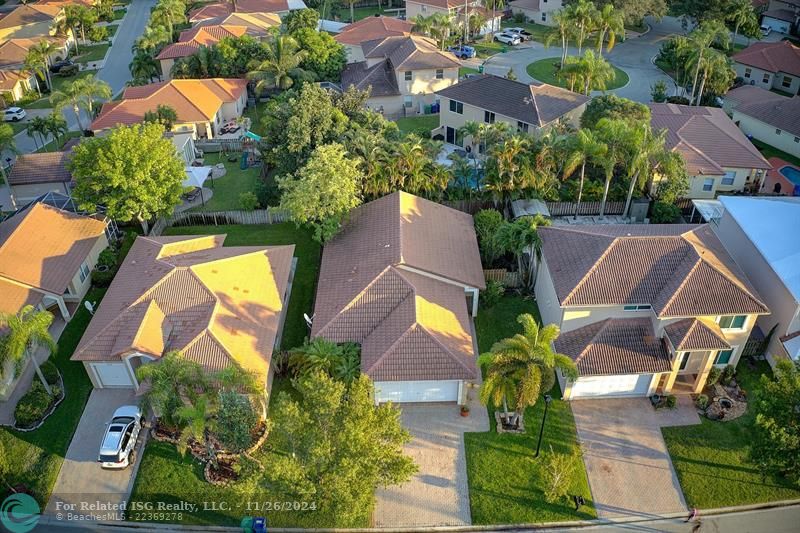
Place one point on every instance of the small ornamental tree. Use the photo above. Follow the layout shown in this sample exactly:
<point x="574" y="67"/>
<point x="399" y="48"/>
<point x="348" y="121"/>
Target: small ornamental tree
<point x="134" y="173"/>
<point x="236" y="420"/>
<point x="558" y="469"/>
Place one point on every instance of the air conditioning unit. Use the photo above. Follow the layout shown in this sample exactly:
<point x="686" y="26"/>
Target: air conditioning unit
<point x="752" y="82"/>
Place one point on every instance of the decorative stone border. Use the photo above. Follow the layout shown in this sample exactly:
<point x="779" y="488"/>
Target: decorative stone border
<point x="499" y="421"/>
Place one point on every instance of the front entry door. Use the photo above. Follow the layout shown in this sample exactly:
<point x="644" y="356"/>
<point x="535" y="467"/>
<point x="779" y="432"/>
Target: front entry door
<point x="450" y="136"/>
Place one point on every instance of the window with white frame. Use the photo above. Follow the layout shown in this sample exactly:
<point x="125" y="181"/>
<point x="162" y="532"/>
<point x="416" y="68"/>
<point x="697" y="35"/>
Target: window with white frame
<point x="642" y="307"/>
<point x="732" y="321"/>
<point x="765" y="79"/>
<point x="522" y="126"/>
<point x="456" y="107"/>
<point x="708" y="184"/>
<point x="729" y="177"/>
<point x="748" y="72"/>
<point x="408" y="75"/>
<point x="724" y="357"/>
<point x="488" y="117"/>
<point x="407" y="102"/>
<point x="84" y="272"/>
<point x="787" y="82"/>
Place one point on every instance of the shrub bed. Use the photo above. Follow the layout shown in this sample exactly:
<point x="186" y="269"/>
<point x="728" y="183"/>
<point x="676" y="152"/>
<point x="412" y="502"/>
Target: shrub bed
<point x="36" y="404"/>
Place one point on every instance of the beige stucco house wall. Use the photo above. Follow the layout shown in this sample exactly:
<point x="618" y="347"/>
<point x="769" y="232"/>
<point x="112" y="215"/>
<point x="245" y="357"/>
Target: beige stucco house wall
<point x="782" y="140"/>
<point x="166" y="68"/>
<point x="767" y="80"/>
<point x="20" y="88"/>
<point x="543" y="15"/>
<point x="78" y="287"/>
<point x="708" y="186"/>
<point x="426" y="10"/>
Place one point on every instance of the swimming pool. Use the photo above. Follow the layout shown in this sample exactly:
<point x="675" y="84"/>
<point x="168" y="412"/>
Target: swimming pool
<point x="791" y="173"/>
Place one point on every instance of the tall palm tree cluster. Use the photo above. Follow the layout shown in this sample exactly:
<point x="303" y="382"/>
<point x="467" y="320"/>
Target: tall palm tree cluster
<point x="20" y="335"/>
<point x="159" y="32"/>
<point x="340" y="361"/>
<point x="41" y="128"/>
<point x="81" y="95"/>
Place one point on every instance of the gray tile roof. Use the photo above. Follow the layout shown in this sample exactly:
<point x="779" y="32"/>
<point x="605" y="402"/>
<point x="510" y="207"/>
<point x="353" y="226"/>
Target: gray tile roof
<point x="537" y="104"/>
<point x="775" y="110"/>
<point x="47" y="167"/>
<point x="411" y="52"/>
<point x="615" y="346"/>
<point x="379" y="78"/>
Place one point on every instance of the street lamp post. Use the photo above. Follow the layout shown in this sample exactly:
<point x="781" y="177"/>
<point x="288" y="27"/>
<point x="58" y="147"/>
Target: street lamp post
<point x="547" y="400"/>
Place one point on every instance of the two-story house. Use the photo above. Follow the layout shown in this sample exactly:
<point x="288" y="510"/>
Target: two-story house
<point x="719" y="158"/>
<point x="643" y="308"/>
<point x="766" y="116"/>
<point x="457" y="9"/>
<point x="403" y="73"/>
<point x="370" y="29"/>
<point x="32" y="21"/>
<point x="528" y="108"/>
<point x="538" y="11"/>
<point x="220" y="9"/>
<point x="770" y="66"/>
<point x="202" y="106"/>
<point x="750" y="231"/>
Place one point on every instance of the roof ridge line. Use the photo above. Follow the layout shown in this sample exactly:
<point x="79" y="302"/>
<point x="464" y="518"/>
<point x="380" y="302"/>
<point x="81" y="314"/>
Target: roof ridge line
<point x="593" y="268"/>
<point x="389" y="350"/>
<point x="441" y="345"/>
<point x="684" y="281"/>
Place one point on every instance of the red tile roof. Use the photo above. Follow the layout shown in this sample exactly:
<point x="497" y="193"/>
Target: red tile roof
<point x="781" y="56"/>
<point x="691" y="334"/>
<point x="43" y="167"/>
<point x="372" y="28"/>
<point x="190" y="40"/>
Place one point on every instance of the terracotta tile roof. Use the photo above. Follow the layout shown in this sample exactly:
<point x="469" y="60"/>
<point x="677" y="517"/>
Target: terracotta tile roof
<point x="748" y="94"/>
<point x="443" y="4"/>
<point x="615" y="346"/>
<point x="191" y="294"/>
<point x="536" y="104"/>
<point x="13" y="51"/>
<point x="44" y="167"/>
<point x="252" y="21"/>
<point x="681" y="270"/>
<point x="372" y="28"/>
<point x="691" y="334"/>
<point x="706" y="137"/>
<point x="16" y="296"/>
<point x="10" y="78"/>
<point x="222" y="9"/>
<point x="775" y="110"/>
<point x="193" y="100"/>
<point x="43" y="246"/>
<point x="411" y="52"/>
<point x="410" y="325"/>
<point x="781" y="56"/>
<point x="30" y="14"/>
<point x="210" y="11"/>
<point x="190" y="40"/>
<point x="379" y="78"/>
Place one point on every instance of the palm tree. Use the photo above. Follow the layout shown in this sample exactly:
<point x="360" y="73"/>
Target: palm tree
<point x="595" y="72"/>
<point x="35" y="64"/>
<point x="583" y="16"/>
<point x="168" y="13"/>
<point x="317" y="354"/>
<point x="92" y="88"/>
<point x="562" y="29"/>
<point x="204" y="63"/>
<point x="200" y="422"/>
<point x="56" y="125"/>
<point x="494" y="5"/>
<point x="352" y="3"/>
<point x="521" y="367"/>
<point x="474" y="130"/>
<point x="172" y="382"/>
<point x="504" y="166"/>
<point x="26" y="330"/>
<point x="701" y="39"/>
<point x="715" y="65"/>
<point x="348" y="368"/>
<point x="645" y="149"/>
<point x="144" y="66"/>
<point x="164" y="114"/>
<point x="7" y="142"/>
<point x="615" y="134"/>
<point x="522" y="239"/>
<point x="281" y="67"/>
<point x="584" y="147"/>
<point x="38" y="60"/>
<point x="152" y="39"/>
<point x="37" y="125"/>
<point x="610" y="22"/>
<point x="741" y="13"/>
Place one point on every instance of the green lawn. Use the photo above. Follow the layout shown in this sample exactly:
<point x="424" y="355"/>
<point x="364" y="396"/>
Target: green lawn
<point x="255" y="113"/>
<point x="463" y="71"/>
<point x="226" y="190"/>
<point x="712" y="462"/>
<point x="36" y="456"/>
<point x="51" y="146"/>
<point x="119" y="13"/>
<point x="308" y="256"/>
<point x="94" y="52"/>
<point x="505" y="480"/>
<point x="484" y="49"/>
<point x="409" y="124"/>
<point x="112" y="30"/>
<point x="360" y="12"/>
<point x="59" y="82"/>
<point x="544" y="71"/>
<point x="538" y="31"/>
<point x="770" y="151"/>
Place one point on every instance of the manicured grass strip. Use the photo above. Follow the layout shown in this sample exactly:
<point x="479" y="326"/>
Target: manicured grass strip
<point x="770" y="151"/>
<point x="226" y="190"/>
<point x="538" y="32"/>
<point x="506" y="483"/>
<point x="36" y="456"/>
<point x="422" y="122"/>
<point x="54" y="145"/>
<point x="308" y="255"/>
<point x="94" y="52"/>
<point x="463" y="71"/>
<point x="544" y="70"/>
<point x="711" y="459"/>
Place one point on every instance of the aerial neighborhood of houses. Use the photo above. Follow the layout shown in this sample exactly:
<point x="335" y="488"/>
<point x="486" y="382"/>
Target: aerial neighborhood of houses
<point x="413" y="264"/>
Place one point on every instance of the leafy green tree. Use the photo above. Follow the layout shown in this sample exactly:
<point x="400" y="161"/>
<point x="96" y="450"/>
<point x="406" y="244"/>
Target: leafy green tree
<point x="520" y="368"/>
<point x="281" y="68"/>
<point x="164" y="115"/>
<point x="776" y="435"/>
<point x="80" y="17"/>
<point x="583" y="15"/>
<point x="613" y="107"/>
<point x="559" y="469"/>
<point x="636" y="10"/>
<point x="659" y="91"/>
<point x="323" y="55"/>
<point x="664" y="213"/>
<point x="348" y="368"/>
<point x="172" y="382"/>
<point x="301" y="19"/>
<point x="144" y="66"/>
<point x="584" y="147"/>
<point x="168" y="13"/>
<point x="313" y="356"/>
<point x="153" y="39"/>
<point x="7" y="142"/>
<point x="236" y="420"/>
<point x="204" y="63"/>
<point x="610" y="22"/>
<point x="237" y="54"/>
<point x="699" y="47"/>
<point x="741" y="13"/>
<point x="487" y="224"/>
<point x="5" y="467"/>
<point x="27" y="329"/>
<point x="134" y="172"/>
<point x="324" y="190"/>
<point x="522" y="239"/>
<point x="438" y="26"/>
<point x="338" y="446"/>
<point x="617" y="136"/>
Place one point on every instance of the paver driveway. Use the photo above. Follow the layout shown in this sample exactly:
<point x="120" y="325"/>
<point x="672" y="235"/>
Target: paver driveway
<point x="629" y="468"/>
<point x="81" y="478"/>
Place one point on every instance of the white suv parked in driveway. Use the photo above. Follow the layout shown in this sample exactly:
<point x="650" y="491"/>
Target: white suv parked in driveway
<point x="507" y="38"/>
<point x="119" y="441"/>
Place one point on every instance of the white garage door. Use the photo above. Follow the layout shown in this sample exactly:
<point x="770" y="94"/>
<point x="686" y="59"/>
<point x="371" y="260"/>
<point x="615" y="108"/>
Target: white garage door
<point x="112" y="375"/>
<point x="612" y="386"/>
<point x="416" y="391"/>
<point x="777" y="25"/>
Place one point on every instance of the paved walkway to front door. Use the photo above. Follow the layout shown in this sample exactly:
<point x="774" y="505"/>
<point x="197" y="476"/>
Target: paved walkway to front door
<point x="629" y="468"/>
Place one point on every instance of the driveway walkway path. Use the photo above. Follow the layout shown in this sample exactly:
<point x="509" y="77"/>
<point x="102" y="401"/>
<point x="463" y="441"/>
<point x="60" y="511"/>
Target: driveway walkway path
<point x="629" y="469"/>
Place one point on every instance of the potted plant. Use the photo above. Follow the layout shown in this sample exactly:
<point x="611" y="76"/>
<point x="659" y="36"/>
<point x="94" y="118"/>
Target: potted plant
<point x="464" y="410"/>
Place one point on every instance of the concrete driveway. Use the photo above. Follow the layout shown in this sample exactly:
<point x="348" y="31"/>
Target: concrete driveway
<point x="81" y="479"/>
<point x="629" y="469"/>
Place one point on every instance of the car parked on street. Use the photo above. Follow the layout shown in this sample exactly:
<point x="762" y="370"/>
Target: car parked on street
<point x="58" y="65"/>
<point x="14" y="114"/>
<point x="523" y="34"/>
<point x="462" y="51"/>
<point x="507" y="38"/>
<point x="119" y="441"/>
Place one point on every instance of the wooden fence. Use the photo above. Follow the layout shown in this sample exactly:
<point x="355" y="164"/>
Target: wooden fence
<point x="509" y="279"/>
<point x="219" y="218"/>
<point x="561" y="209"/>
<point x="470" y="206"/>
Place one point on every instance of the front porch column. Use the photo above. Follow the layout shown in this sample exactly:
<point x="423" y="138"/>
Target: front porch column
<point x="61" y="307"/>
<point x="672" y="376"/>
<point x="702" y="375"/>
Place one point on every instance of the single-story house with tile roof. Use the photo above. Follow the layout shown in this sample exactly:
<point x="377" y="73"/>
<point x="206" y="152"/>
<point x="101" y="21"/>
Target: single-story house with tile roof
<point x="769" y="117"/>
<point x="15" y="83"/>
<point x="537" y="11"/>
<point x="402" y="281"/>
<point x="528" y="108"/>
<point x="403" y="73"/>
<point x="221" y="9"/>
<point x="14" y="51"/>
<point x="370" y="29"/>
<point x="191" y="40"/>
<point x="202" y="106"/>
<point x="643" y="308"/>
<point x="31" y="21"/>
<point x="217" y="306"/>
<point x="780" y="20"/>
<point x="770" y="66"/>
<point x="46" y="257"/>
<point x="750" y="230"/>
<point x="255" y="22"/>
<point x="39" y="173"/>
<point x="456" y="8"/>
<point x="719" y="158"/>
